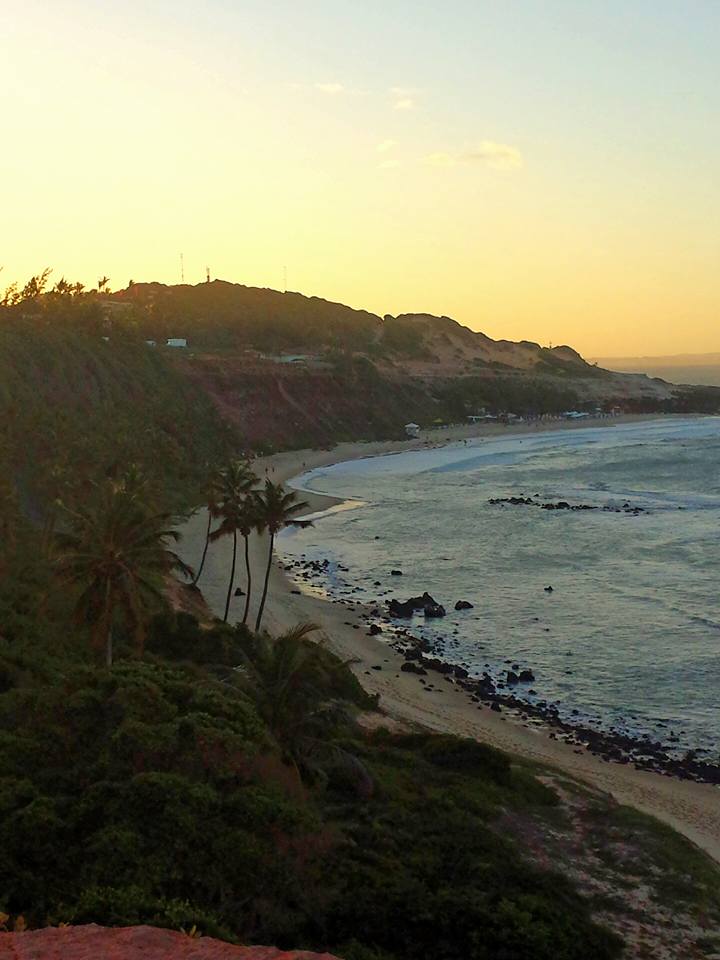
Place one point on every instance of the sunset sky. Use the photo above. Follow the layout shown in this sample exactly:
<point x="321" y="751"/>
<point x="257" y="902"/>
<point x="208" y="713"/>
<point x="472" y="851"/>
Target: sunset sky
<point x="545" y="169"/>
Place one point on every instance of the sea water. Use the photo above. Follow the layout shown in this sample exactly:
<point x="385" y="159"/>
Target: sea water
<point x="628" y="638"/>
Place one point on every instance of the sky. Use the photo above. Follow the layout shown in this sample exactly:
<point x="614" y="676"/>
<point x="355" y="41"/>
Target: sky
<point x="545" y="170"/>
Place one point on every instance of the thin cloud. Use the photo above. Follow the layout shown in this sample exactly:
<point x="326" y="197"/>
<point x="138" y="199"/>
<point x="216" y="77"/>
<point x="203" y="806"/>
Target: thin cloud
<point x="388" y="165"/>
<point x="331" y="88"/>
<point x="440" y="160"/>
<point x="497" y="156"/>
<point x="403" y="98"/>
<point x="386" y="145"/>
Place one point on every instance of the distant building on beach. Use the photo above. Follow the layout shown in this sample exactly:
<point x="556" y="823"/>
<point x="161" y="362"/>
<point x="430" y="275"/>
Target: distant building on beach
<point x="412" y="430"/>
<point x="177" y="342"/>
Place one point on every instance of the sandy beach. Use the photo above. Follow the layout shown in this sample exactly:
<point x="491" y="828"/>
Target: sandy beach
<point x="691" y="808"/>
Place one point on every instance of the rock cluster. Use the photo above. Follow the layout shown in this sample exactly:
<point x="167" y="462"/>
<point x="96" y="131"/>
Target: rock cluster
<point x="406" y="608"/>
<point x="564" y="505"/>
<point x="510" y="689"/>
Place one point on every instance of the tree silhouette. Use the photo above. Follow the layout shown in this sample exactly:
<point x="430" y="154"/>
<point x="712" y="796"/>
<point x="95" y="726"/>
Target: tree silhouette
<point x="116" y="554"/>
<point x="275" y="510"/>
<point x="291" y="679"/>
<point x="212" y="495"/>
<point x="236" y="483"/>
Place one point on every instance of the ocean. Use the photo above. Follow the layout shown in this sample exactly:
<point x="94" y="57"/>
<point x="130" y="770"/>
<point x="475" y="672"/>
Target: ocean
<point x="707" y="374"/>
<point x="629" y="637"/>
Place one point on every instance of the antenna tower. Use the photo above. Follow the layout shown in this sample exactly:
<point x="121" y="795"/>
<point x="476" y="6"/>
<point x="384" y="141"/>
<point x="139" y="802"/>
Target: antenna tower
<point x="182" y="268"/>
<point x="207" y="274"/>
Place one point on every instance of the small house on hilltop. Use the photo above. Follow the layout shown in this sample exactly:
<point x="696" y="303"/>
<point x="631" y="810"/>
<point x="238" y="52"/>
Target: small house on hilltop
<point x="177" y="342"/>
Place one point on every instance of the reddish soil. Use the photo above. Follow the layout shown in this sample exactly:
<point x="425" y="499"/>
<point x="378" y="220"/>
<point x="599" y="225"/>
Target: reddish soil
<point x="132" y="943"/>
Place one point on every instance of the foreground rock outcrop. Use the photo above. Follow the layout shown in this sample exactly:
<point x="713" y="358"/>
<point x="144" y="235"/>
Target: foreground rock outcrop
<point x="92" y="942"/>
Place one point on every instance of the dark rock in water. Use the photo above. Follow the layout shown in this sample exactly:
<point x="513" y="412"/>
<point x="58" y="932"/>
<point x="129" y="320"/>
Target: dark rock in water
<point x="548" y="589"/>
<point x="396" y="573"/>
<point x="375" y="629"/>
<point x="526" y="676"/>
<point x="298" y="592"/>
<point x="463" y="605"/>
<point x="401" y="608"/>
<point x="564" y="505"/>
<point x="377" y="667"/>
<point x="434" y="610"/>
<point x="406" y="608"/>
<point x="410" y="667"/>
<point x="511" y="678"/>
<point x="239" y="592"/>
<point x="495" y="706"/>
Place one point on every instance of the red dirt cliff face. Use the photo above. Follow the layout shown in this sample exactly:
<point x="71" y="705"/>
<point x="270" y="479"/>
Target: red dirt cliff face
<point x="307" y="407"/>
<point x="92" y="942"/>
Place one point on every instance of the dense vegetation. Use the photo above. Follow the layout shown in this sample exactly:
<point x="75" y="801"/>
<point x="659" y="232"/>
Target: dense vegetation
<point x="181" y="791"/>
<point x="221" y="316"/>
<point x="80" y="404"/>
<point x="526" y="396"/>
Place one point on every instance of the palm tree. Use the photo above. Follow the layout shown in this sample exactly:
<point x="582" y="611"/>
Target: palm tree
<point x="275" y="510"/>
<point x="291" y="679"/>
<point x="212" y="494"/>
<point x="248" y="523"/>
<point x="116" y="554"/>
<point x="234" y="494"/>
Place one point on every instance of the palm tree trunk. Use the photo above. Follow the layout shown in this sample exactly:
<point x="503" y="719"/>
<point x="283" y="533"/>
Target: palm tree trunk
<point x="232" y="576"/>
<point x="265" y="584"/>
<point x="249" y="577"/>
<point x="207" y="544"/>
<point x="48" y="530"/>
<point x="108" y="619"/>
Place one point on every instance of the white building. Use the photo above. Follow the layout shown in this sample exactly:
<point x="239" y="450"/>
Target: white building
<point x="177" y="342"/>
<point x="412" y="430"/>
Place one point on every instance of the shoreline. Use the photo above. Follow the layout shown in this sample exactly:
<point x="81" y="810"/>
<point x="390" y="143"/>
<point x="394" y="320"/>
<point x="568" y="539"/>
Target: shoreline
<point x="690" y="807"/>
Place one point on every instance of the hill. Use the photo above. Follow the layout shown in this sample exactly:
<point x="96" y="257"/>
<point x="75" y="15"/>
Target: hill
<point x="221" y="315"/>
<point x="276" y="370"/>
<point x="182" y="787"/>
<point x="289" y="370"/>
